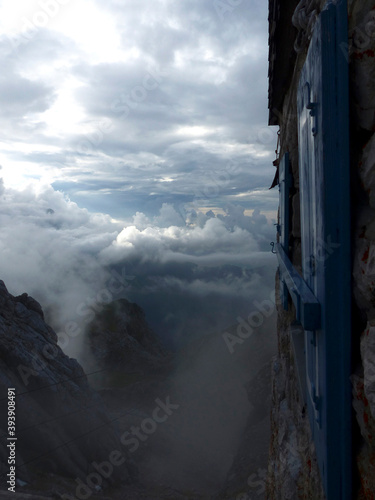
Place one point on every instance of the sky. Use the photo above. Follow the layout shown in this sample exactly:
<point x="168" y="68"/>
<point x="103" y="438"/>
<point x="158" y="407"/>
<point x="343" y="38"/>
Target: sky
<point x="134" y="136"/>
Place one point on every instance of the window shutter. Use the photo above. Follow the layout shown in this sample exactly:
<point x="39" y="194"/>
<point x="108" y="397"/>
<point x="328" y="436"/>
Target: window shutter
<point x="325" y="240"/>
<point x="283" y="227"/>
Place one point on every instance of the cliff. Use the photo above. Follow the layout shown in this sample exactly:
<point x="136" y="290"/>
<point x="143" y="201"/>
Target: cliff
<point x="161" y="427"/>
<point x="61" y="424"/>
<point x="121" y="340"/>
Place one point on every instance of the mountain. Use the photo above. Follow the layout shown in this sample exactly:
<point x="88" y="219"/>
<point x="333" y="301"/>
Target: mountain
<point x="62" y="426"/>
<point x="121" y="340"/>
<point x="194" y="425"/>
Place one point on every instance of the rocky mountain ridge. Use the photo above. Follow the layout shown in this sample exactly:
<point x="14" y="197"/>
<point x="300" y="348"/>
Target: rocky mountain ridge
<point x="120" y="339"/>
<point x="62" y="426"/>
<point x="194" y="426"/>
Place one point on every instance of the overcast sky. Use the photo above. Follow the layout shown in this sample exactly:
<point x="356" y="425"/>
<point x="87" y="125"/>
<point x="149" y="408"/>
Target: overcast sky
<point x="151" y="115"/>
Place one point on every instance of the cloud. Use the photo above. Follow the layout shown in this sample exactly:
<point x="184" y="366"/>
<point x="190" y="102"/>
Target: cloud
<point x="65" y="256"/>
<point x="49" y="246"/>
<point x="168" y="237"/>
<point x="154" y="115"/>
<point x="139" y="113"/>
<point x="195" y="276"/>
<point x="19" y="95"/>
<point x="176" y="242"/>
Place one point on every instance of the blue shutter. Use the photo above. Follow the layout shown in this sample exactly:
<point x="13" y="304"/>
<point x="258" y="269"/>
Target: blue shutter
<point x="325" y="239"/>
<point x="284" y="188"/>
<point x="283" y="227"/>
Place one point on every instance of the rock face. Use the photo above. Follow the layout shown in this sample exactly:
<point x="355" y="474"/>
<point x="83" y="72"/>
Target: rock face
<point x="120" y="339"/>
<point x="362" y="45"/>
<point x="61" y="424"/>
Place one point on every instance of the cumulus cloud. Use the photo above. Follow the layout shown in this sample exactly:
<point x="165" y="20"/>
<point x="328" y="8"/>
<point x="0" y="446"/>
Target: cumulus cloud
<point x="166" y="243"/>
<point x="65" y="256"/>
<point x="49" y="247"/>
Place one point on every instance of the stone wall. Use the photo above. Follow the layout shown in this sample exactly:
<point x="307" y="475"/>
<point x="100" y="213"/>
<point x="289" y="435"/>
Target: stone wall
<point x="293" y="471"/>
<point x="362" y="81"/>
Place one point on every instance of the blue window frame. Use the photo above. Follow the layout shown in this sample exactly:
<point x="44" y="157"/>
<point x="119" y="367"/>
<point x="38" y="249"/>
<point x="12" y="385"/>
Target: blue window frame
<point x="285" y="180"/>
<point x="322" y="296"/>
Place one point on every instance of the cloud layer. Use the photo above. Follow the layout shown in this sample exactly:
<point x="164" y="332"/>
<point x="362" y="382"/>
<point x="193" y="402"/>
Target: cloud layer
<point x="126" y="106"/>
<point x="155" y="114"/>
<point x="191" y="277"/>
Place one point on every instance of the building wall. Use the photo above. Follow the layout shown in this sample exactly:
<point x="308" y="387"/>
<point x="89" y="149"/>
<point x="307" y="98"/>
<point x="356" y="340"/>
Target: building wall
<point x="362" y="80"/>
<point x="293" y="471"/>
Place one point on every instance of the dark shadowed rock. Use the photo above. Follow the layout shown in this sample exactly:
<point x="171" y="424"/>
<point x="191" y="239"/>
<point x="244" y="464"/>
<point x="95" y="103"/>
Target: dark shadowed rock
<point x="120" y="339"/>
<point x="62" y="426"/>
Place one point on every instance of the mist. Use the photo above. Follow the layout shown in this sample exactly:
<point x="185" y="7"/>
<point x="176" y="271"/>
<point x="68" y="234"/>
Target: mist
<point x="191" y="280"/>
<point x="211" y="385"/>
<point x="198" y="283"/>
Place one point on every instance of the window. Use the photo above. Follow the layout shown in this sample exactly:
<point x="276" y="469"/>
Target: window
<point x="322" y="296"/>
